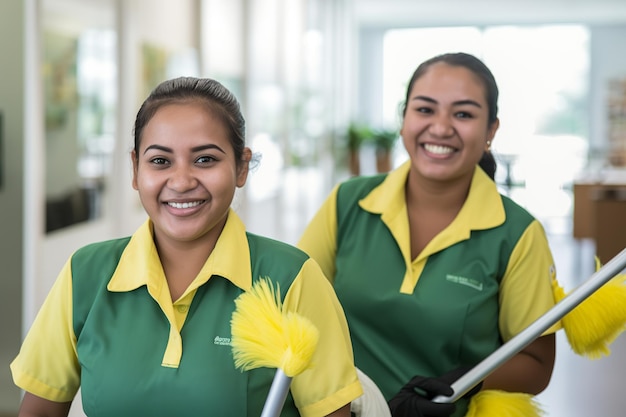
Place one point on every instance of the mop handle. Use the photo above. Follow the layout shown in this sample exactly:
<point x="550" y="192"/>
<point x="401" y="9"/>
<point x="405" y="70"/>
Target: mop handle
<point x="278" y="393"/>
<point x="525" y="337"/>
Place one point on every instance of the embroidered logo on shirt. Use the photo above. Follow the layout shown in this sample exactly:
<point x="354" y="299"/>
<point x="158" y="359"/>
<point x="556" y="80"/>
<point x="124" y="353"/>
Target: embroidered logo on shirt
<point x="469" y="282"/>
<point x="222" y="341"/>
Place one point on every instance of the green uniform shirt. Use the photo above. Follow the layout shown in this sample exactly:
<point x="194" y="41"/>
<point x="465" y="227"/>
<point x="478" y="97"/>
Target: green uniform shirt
<point x="110" y="327"/>
<point x="482" y="280"/>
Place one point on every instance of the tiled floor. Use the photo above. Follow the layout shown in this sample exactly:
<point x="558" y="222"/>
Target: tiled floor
<point x="587" y="388"/>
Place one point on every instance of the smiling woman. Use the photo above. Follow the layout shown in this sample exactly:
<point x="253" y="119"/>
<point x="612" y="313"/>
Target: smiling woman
<point x="186" y="172"/>
<point x="191" y="259"/>
<point x="435" y="241"/>
<point x="550" y="100"/>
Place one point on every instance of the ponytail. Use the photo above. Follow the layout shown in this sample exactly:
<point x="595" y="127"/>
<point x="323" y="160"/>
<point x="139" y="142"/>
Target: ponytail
<point x="488" y="164"/>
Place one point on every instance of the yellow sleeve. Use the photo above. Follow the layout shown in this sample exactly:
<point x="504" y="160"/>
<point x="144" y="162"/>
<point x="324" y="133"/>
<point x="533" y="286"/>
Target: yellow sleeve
<point x="319" y="239"/>
<point x="526" y="289"/>
<point x="47" y="364"/>
<point x="332" y="381"/>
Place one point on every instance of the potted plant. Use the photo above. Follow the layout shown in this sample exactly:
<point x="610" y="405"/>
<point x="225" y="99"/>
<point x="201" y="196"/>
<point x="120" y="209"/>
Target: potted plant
<point x="384" y="140"/>
<point x="357" y="134"/>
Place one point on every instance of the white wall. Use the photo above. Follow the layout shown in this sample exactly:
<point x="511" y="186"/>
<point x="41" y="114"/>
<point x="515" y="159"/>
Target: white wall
<point x="11" y="194"/>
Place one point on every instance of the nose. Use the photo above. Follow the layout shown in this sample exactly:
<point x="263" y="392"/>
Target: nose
<point x="182" y="179"/>
<point x="441" y="125"/>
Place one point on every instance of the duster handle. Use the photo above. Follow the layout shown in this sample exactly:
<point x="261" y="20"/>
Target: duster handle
<point x="543" y="323"/>
<point x="277" y="395"/>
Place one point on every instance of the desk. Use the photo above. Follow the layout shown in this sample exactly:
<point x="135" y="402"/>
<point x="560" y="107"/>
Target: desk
<point x="600" y="214"/>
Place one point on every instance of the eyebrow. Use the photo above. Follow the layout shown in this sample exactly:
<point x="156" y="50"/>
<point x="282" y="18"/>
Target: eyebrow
<point x="194" y="149"/>
<point x="456" y="103"/>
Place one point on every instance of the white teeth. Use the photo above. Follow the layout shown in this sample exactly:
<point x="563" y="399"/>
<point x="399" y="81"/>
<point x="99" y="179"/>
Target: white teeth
<point x="184" y="205"/>
<point x="438" y="149"/>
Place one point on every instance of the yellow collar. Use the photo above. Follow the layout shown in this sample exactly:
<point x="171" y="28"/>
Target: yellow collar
<point x="140" y="263"/>
<point x="483" y="209"/>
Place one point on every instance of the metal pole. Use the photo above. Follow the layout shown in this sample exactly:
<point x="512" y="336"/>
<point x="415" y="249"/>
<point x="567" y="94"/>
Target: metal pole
<point x="525" y="337"/>
<point x="277" y="395"/>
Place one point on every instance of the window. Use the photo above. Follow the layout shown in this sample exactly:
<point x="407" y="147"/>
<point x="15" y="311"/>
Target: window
<point x="542" y="74"/>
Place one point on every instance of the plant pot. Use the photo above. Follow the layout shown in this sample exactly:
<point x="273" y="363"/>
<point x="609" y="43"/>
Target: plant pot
<point x="383" y="161"/>
<point x="354" y="162"/>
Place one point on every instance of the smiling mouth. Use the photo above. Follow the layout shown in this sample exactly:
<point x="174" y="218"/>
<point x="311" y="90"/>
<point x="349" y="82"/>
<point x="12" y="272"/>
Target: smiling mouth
<point x="185" y="205"/>
<point x="438" y="149"/>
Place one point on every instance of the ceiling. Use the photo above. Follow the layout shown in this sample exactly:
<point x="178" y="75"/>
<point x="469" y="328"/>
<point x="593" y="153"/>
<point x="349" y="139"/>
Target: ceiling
<point x="412" y="13"/>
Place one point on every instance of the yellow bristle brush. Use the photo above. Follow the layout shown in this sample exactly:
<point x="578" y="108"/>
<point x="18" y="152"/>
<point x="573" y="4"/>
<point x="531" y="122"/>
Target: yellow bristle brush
<point x="496" y="403"/>
<point x="496" y="400"/>
<point x="594" y="324"/>
<point x="265" y="335"/>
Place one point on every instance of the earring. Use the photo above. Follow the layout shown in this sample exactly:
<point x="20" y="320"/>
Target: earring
<point x="488" y="145"/>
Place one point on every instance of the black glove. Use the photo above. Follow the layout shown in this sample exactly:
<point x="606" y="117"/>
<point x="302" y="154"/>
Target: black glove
<point x="414" y="399"/>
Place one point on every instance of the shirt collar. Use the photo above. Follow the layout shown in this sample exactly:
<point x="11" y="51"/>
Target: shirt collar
<point x="483" y="208"/>
<point x="388" y="197"/>
<point x="140" y="264"/>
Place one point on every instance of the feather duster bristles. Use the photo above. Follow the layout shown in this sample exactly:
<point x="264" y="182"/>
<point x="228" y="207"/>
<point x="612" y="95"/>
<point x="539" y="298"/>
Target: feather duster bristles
<point x="496" y="403"/>
<point x="263" y="335"/>
<point x="598" y="320"/>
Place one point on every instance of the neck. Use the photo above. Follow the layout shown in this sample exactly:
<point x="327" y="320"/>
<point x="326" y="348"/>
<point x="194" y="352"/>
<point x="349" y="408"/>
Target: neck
<point x="182" y="261"/>
<point x="426" y="194"/>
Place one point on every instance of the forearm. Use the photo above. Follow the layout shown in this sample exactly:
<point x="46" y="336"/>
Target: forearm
<point x="529" y="371"/>
<point x="342" y="412"/>
<point x="34" y="406"/>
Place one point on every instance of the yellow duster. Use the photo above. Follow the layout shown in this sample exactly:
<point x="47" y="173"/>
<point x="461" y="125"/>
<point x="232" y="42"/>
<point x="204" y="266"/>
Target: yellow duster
<point x="495" y="403"/>
<point x="590" y="328"/>
<point x="598" y="320"/>
<point x="265" y="335"/>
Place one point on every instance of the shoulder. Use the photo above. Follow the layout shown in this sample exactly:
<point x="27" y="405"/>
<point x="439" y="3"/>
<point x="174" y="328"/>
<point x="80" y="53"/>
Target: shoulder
<point x="98" y="259"/>
<point x="101" y="251"/>
<point x="280" y="261"/>
<point x="262" y="245"/>
<point x="516" y="214"/>
<point x="353" y="190"/>
<point x="361" y="185"/>
<point x="92" y="267"/>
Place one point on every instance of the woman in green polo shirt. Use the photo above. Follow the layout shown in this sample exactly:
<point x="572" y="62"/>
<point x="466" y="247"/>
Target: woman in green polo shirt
<point x="142" y="324"/>
<point x="433" y="267"/>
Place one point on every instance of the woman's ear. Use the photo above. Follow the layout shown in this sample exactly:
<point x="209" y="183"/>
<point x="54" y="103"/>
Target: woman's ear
<point x="244" y="167"/>
<point x="491" y="133"/>
<point x="133" y="159"/>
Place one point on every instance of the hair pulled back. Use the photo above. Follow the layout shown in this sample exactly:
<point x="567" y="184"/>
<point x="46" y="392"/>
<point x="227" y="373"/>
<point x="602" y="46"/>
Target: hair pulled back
<point x="211" y="93"/>
<point x="478" y="68"/>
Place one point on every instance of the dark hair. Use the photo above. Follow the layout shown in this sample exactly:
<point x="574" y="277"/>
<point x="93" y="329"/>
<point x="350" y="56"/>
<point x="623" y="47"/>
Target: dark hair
<point x="213" y="94"/>
<point x="488" y="164"/>
<point x="478" y="68"/>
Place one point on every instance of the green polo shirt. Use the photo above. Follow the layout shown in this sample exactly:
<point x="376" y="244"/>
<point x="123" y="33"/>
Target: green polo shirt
<point x="479" y="282"/>
<point x="110" y="327"/>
